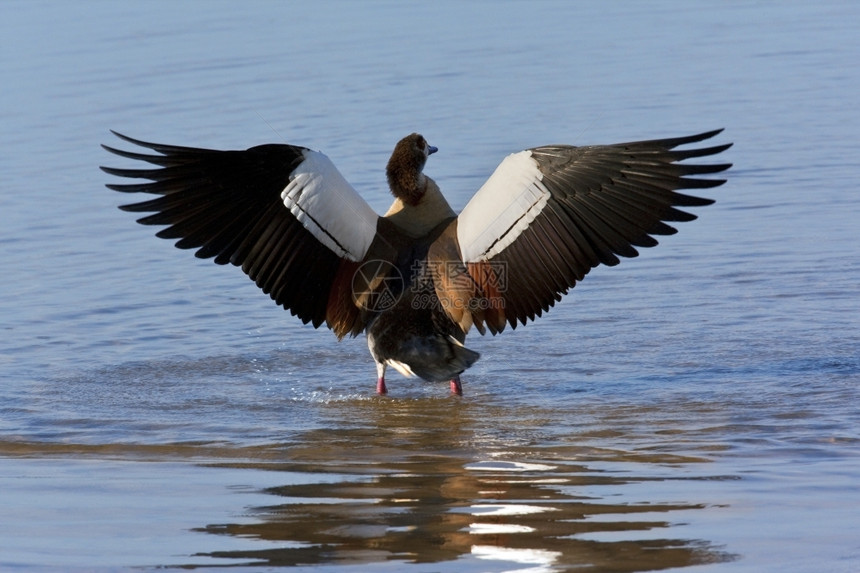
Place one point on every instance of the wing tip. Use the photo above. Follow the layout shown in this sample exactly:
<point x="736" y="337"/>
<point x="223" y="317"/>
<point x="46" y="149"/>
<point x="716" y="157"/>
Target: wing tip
<point x="698" y="137"/>
<point x="673" y="142"/>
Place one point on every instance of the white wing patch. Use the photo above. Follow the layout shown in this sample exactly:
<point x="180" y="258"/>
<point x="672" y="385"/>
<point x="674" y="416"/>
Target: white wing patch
<point x="328" y="206"/>
<point x="502" y="208"/>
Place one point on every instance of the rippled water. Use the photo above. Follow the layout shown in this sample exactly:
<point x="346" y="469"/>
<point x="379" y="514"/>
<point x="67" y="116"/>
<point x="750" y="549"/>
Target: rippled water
<point x="694" y="408"/>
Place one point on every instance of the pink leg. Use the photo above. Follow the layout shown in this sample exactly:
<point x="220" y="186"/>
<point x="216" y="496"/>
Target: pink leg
<point x="456" y="387"/>
<point x="380" y="379"/>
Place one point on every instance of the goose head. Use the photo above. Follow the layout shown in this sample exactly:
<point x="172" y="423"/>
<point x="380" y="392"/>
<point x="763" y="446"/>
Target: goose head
<point x="404" y="170"/>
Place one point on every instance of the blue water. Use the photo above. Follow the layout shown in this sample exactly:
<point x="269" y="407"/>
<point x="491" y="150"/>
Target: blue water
<point x="694" y="408"/>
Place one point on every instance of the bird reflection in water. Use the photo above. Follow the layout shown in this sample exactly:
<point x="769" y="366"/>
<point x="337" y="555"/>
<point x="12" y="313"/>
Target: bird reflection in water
<point x="427" y="481"/>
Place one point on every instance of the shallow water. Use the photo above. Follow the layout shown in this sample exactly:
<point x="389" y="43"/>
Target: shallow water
<point x="695" y="408"/>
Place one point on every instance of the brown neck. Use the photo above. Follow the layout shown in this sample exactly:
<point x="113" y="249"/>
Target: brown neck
<point x="405" y="179"/>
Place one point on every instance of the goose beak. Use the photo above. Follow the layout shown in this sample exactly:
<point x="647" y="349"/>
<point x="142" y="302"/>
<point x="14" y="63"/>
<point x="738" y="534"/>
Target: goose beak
<point x="431" y="150"/>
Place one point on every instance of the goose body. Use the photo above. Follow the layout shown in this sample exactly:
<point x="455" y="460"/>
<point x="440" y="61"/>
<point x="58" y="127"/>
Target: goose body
<point x="418" y="278"/>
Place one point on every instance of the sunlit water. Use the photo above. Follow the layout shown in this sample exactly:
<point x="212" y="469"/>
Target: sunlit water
<point x="694" y="408"/>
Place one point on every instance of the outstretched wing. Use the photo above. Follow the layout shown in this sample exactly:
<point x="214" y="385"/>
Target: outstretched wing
<point x="282" y="213"/>
<point x="548" y="215"/>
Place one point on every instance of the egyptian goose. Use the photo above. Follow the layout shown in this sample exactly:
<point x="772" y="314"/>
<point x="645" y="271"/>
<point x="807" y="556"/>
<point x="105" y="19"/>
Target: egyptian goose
<point x="419" y="277"/>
